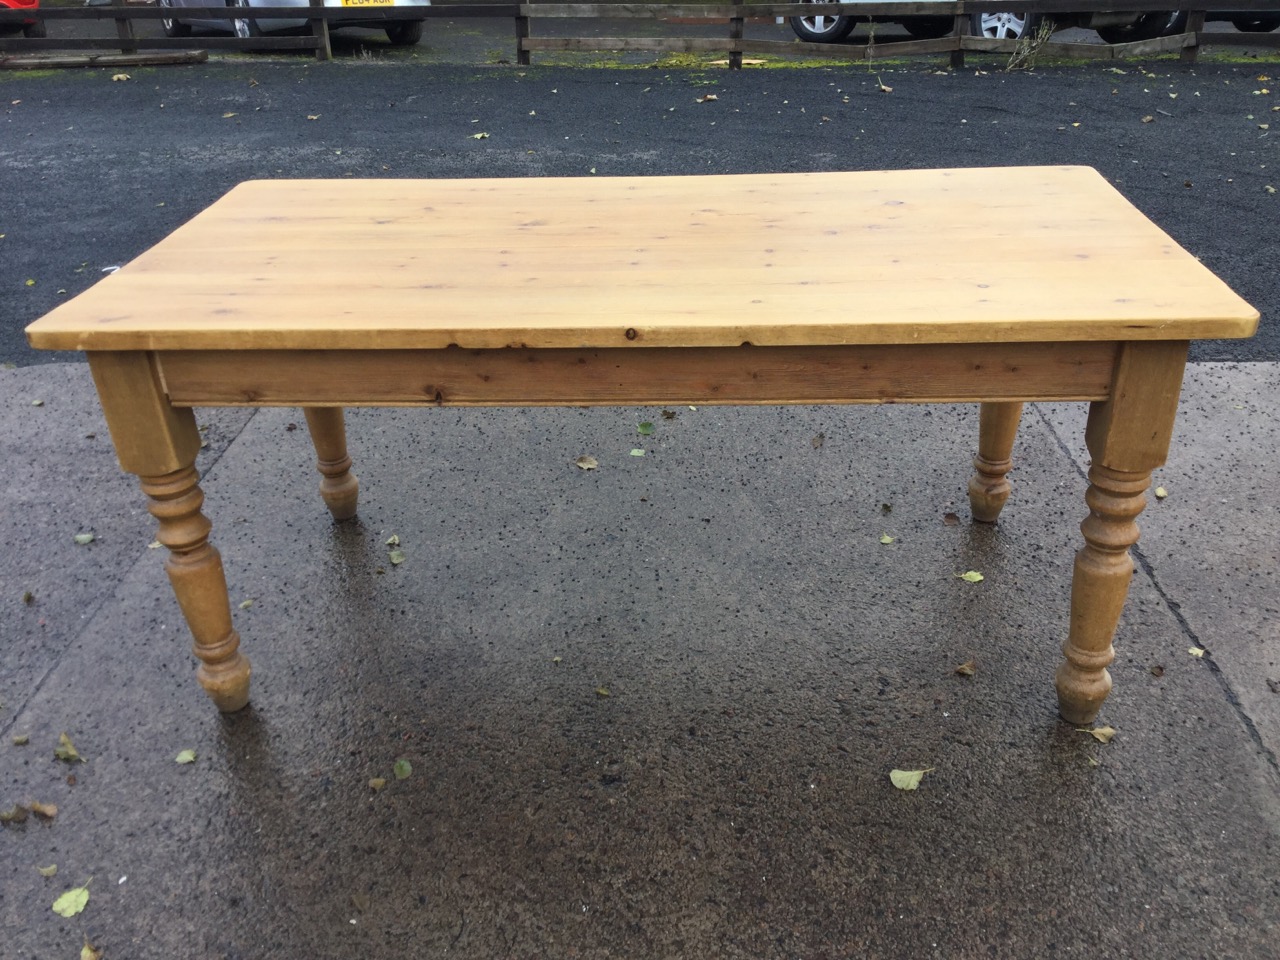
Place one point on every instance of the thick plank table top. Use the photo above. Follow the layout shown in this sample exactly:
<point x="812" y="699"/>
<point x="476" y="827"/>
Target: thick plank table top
<point x="994" y="286"/>
<point x="923" y="256"/>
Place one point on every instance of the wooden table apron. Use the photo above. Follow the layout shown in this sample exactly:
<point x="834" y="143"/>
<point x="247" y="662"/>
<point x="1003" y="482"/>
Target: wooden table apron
<point x="995" y="286"/>
<point x="1133" y="388"/>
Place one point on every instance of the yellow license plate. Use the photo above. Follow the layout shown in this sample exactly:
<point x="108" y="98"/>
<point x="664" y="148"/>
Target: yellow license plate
<point x="367" y="3"/>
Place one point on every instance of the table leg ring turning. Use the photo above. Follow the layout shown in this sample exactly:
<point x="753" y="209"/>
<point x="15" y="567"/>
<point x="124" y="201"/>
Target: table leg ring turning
<point x="195" y="570"/>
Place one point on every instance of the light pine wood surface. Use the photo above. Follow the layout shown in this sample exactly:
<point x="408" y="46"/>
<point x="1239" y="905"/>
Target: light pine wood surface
<point x="921" y="256"/>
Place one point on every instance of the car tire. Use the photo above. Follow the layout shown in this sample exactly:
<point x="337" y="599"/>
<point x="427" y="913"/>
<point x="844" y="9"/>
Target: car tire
<point x="928" y="28"/>
<point x="1005" y="26"/>
<point x="1256" y="24"/>
<point x="1148" y="26"/>
<point x="404" y="34"/>
<point x="244" y="29"/>
<point x="35" y="31"/>
<point x="822" y="29"/>
<point x="173" y="28"/>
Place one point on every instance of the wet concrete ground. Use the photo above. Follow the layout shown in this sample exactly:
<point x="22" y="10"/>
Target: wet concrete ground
<point x="767" y="661"/>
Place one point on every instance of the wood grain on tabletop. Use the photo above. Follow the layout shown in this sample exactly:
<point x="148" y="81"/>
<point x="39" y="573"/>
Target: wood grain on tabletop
<point x="941" y="256"/>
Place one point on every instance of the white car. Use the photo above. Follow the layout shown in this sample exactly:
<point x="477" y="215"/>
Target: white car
<point x="399" y="32"/>
<point x="1112" y="26"/>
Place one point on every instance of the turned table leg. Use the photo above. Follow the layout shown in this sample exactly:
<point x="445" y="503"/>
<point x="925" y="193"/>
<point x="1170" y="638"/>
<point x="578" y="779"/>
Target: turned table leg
<point x="1128" y="437"/>
<point x="159" y="442"/>
<point x="989" y="488"/>
<point x="338" y="485"/>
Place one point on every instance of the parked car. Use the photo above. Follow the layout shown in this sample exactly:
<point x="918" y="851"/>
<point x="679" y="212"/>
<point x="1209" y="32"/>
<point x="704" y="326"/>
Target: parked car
<point x="828" y="29"/>
<point x="28" y="28"/>
<point x="399" y="32"/>
<point x="1113" y="27"/>
<point x="1119" y="27"/>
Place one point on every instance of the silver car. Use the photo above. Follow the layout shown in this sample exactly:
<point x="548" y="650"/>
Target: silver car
<point x="399" y="32"/>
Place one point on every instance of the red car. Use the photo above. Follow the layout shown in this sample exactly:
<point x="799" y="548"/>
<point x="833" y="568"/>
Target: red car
<point x="29" y="28"/>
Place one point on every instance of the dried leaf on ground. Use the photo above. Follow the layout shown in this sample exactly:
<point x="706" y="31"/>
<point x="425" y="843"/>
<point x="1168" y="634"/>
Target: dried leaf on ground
<point x="185" y="756"/>
<point x="479" y="136"/>
<point x="246" y="604"/>
<point x="87" y="952"/>
<point x="49" y="871"/>
<point x="21" y="740"/>
<point x="637" y="452"/>
<point x="377" y="783"/>
<point x="971" y="576"/>
<point x="120" y="76"/>
<point x="66" y="750"/>
<point x="72" y="902"/>
<point x="669" y="414"/>
<point x="818" y="441"/>
<point x="396" y="557"/>
<point x="46" y="810"/>
<point x="885" y="538"/>
<point x="1101" y="734"/>
<point x="586" y="463"/>
<point x="602" y="691"/>
<point x="707" y="98"/>
<point x="950" y="519"/>
<point x="15" y="814"/>
<point x="393" y="540"/>
<point x="967" y="669"/>
<point x="1161" y="493"/>
<point x="1196" y="651"/>
<point x="908" y="779"/>
<point x="83" y="538"/>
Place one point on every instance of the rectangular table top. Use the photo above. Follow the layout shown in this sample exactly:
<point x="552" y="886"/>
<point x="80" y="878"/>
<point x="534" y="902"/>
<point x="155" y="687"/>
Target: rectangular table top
<point x="916" y="256"/>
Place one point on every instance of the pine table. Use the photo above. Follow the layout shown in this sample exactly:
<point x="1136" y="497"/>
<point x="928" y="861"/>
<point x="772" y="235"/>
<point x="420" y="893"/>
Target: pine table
<point x="991" y="286"/>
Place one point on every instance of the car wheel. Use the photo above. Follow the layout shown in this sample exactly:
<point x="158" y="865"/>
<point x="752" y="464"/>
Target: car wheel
<point x="928" y="28"/>
<point x="1256" y="24"/>
<point x="244" y="29"/>
<point x="173" y="28"/>
<point x="1148" y="26"/>
<point x="822" y="29"/>
<point x="405" y="34"/>
<point x="35" y="30"/>
<point x="1005" y="26"/>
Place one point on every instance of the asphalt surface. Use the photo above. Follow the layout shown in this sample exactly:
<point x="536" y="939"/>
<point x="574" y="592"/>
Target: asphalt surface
<point x="93" y="171"/>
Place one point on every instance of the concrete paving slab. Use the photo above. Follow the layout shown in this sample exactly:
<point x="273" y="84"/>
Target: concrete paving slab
<point x="1211" y="544"/>
<point x="59" y="478"/>
<point x="767" y="662"/>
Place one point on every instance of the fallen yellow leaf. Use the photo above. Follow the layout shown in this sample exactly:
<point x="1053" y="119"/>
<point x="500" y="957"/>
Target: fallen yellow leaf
<point x="908" y="779"/>
<point x="1101" y="734"/>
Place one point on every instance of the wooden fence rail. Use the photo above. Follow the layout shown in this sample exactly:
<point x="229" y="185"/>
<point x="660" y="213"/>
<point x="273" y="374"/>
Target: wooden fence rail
<point x="957" y="43"/>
